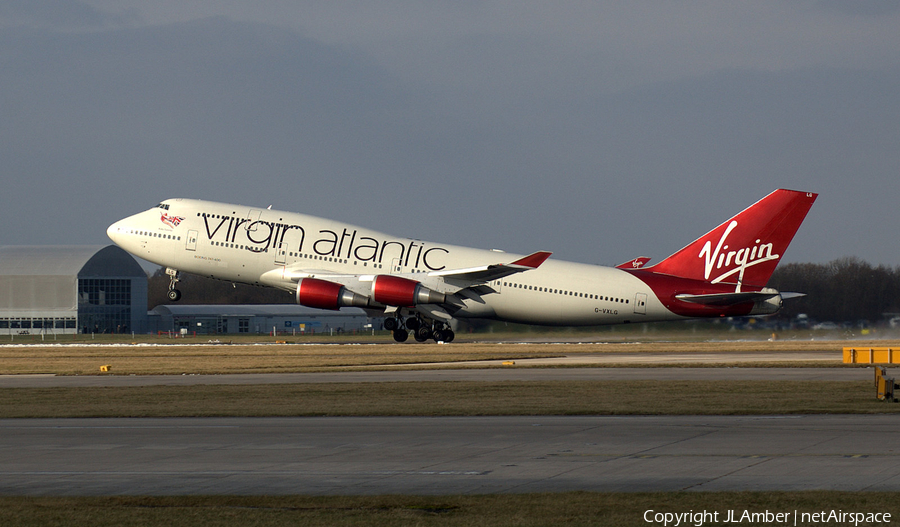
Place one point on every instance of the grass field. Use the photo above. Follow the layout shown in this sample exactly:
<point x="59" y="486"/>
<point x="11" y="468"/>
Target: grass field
<point x="448" y="398"/>
<point x="571" y="509"/>
<point x="196" y="356"/>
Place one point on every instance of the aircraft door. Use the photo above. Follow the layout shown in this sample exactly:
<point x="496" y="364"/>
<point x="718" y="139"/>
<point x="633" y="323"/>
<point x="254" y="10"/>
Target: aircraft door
<point x="281" y="254"/>
<point x="396" y="266"/>
<point x="191" y="243"/>
<point x="640" y="304"/>
<point x="252" y="220"/>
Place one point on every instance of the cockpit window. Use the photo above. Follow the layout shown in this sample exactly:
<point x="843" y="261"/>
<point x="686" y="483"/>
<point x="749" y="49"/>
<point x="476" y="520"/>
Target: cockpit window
<point x="163" y="206"/>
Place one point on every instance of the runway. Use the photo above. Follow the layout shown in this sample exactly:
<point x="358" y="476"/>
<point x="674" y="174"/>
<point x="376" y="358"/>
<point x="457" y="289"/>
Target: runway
<point x="366" y="456"/>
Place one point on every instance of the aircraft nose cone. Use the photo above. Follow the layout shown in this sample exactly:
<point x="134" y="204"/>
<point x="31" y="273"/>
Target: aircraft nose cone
<point x="112" y="231"/>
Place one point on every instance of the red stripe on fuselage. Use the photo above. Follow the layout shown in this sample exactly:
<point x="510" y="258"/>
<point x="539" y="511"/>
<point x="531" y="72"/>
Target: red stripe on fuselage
<point x="665" y="288"/>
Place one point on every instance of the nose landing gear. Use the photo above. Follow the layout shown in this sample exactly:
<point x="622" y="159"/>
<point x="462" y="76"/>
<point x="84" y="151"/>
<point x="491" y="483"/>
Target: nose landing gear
<point x="174" y="277"/>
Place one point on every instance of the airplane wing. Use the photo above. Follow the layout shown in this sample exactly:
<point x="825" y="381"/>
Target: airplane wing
<point x="475" y="275"/>
<point x="441" y="284"/>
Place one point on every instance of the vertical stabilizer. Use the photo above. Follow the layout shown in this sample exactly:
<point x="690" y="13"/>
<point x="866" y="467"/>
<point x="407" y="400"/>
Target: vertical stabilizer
<point x="745" y="249"/>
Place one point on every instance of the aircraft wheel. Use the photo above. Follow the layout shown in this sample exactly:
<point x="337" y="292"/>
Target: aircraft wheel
<point x="449" y="335"/>
<point x="174" y="295"/>
<point x="420" y="337"/>
<point x="413" y="323"/>
<point x="391" y="324"/>
<point x="438" y="335"/>
<point x="400" y="335"/>
<point x="423" y="334"/>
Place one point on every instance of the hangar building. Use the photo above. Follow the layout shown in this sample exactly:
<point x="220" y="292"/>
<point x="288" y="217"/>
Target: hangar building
<point x="94" y="289"/>
<point x="284" y="319"/>
<point x="71" y="289"/>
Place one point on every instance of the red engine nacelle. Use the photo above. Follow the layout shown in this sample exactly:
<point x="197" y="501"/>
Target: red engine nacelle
<point x="403" y="292"/>
<point x="322" y="294"/>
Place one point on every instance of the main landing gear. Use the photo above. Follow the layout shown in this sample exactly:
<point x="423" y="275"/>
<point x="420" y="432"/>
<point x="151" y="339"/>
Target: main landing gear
<point x="422" y="329"/>
<point x="173" y="294"/>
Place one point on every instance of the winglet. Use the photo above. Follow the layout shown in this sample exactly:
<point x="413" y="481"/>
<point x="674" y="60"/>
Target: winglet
<point x="486" y="273"/>
<point x="637" y="263"/>
<point x="533" y="260"/>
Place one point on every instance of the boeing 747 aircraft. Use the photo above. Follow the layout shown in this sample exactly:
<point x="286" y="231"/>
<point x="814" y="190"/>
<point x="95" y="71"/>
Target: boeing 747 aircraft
<point x="422" y="286"/>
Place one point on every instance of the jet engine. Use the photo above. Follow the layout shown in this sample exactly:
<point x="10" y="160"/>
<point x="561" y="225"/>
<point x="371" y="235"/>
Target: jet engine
<point x="322" y="294"/>
<point x="403" y="292"/>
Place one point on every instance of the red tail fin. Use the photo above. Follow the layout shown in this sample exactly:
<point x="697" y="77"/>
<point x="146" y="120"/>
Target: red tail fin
<point x="746" y="248"/>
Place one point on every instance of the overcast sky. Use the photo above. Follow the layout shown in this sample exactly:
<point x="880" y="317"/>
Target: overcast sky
<point x="601" y="131"/>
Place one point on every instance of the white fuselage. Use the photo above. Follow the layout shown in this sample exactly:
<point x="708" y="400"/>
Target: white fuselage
<point x="267" y="247"/>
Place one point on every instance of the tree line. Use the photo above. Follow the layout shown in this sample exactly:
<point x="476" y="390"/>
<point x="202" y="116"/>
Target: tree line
<point x="843" y="290"/>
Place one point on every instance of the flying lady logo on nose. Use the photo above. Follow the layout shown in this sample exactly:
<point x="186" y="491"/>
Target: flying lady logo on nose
<point x="171" y="221"/>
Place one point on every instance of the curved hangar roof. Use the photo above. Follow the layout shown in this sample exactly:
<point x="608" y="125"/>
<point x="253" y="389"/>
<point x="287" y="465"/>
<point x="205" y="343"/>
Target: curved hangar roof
<point x="68" y="260"/>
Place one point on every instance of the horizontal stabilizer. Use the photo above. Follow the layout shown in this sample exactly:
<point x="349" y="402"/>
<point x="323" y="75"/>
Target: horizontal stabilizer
<point x="728" y="299"/>
<point x="792" y="295"/>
